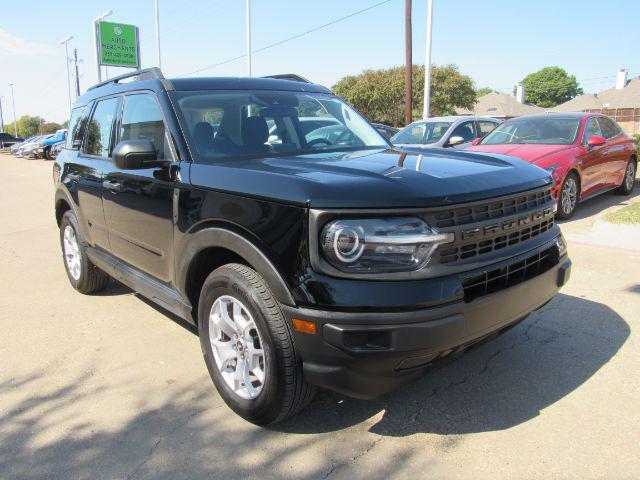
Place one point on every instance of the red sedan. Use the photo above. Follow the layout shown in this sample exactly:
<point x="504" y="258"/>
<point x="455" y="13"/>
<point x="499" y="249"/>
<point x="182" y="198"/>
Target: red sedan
<point x="586" y="153"/>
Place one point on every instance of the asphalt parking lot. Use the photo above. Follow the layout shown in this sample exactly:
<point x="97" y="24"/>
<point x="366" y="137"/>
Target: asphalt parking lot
<point x="109" y="386"/>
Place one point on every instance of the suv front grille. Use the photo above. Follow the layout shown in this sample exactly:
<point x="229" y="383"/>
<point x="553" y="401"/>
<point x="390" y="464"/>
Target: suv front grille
<point x="496" y="209"/>
<point x="498" y="279"/>
<point x="470" y="250"/>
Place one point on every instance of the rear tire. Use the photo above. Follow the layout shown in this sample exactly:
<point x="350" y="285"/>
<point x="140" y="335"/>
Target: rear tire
<point x="275" y="387"/>
<point x="629" y="180"/>
<point x="568" y="196"/>
<point x="83" y="275"/>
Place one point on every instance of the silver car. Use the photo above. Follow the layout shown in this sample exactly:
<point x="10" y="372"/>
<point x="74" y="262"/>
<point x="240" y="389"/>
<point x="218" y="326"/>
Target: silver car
<point x="444" y="132"/>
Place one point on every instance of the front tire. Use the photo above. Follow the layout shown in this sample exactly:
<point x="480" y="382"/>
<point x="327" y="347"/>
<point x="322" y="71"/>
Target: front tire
<point x="248" y="348"/>
<point x="629" y="179"/>
<point x="569" y="195"/>
<point x="83" y="275"/>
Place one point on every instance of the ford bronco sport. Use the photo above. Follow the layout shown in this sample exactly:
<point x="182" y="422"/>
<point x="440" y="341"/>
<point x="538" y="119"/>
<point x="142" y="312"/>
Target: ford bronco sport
<point x="305" y="258"/>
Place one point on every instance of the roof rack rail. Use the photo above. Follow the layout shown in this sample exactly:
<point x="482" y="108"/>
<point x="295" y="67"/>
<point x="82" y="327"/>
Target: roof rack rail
<point x="289" y="76"/>
<point x="144" y="74"/>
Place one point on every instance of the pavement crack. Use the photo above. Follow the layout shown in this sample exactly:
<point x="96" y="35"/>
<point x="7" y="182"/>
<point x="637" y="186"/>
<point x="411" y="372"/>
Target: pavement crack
<point x="337" y="466"/>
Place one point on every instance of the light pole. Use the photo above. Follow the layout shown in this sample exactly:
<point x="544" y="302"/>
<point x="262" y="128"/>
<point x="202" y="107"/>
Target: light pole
<point x="158" y="33"/>
<point x="249" y="38"/>
<point x="75" y="62"/>
<point x="15" y="122"/>
<point x="408" y="69"/>
<point x="427" y="62"/>
<point x="95" y="26"/>
<point x="65" y="42"/>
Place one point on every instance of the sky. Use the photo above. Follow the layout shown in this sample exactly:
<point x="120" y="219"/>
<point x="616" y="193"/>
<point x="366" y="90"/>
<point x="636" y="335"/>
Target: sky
<point x="495" y="42"/>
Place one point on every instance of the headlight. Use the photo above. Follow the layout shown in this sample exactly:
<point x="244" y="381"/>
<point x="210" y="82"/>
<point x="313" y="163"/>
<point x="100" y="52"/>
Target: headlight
<point x="380" y="245"/>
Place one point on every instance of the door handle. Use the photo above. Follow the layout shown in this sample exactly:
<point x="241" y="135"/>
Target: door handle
<point x="113" y="186"/>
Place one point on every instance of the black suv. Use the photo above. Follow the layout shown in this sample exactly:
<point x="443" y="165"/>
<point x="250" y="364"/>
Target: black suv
<point x="306" y="257"/>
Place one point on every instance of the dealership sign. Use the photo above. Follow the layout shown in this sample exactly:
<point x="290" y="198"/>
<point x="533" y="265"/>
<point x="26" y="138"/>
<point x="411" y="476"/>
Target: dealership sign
<point x="118" y="45"/>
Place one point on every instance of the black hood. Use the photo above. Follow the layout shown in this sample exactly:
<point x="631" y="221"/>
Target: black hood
<point x="374" y="178"/>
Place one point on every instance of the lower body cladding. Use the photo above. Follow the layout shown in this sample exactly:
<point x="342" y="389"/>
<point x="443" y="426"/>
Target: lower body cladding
<point x="367" y="354"/>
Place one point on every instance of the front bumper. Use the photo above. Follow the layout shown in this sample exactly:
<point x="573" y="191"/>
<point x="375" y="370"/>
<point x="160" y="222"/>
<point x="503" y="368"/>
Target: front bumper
<point x="366" y="354"/>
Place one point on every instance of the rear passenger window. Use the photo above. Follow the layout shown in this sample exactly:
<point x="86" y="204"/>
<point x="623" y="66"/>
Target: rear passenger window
<point x="142" y="119"/>
<point x="608" y="127"/>
<point x="76" y="127"/>
<point x="100" y="128"/>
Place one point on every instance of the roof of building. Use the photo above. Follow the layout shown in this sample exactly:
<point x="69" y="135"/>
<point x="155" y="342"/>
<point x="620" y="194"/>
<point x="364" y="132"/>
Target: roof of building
<point x="627" y="97"/>
<point x="497" y="104"/>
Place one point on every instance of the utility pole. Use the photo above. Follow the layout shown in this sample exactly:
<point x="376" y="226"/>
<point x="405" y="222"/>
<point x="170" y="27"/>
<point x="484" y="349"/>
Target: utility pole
<point x="427" y="62"/>
<point x="248" y="20"/>
<point x="1" y="118"/>
<point x="158" y="33"/>
<point x="15" y="122"/>
<point x="408" y="114"/>
<point x="65" y="42"/>
<point x="75" y="61"/>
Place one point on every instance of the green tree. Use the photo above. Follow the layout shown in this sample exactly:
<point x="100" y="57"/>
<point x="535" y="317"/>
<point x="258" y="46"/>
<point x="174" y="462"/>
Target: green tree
<point x="549" y="87"/>
<point x="379" y="94"/>
<point x="27" y="126"/>
<point x="481" y="92"/>
<point x="50" y="127"/>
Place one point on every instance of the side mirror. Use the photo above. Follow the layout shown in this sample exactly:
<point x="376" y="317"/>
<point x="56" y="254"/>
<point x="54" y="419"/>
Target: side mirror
<point x="136" y="155"/>
<point x="476" y="140"/>
<point x="456" y="140"/>
<point x="596" y="141"/>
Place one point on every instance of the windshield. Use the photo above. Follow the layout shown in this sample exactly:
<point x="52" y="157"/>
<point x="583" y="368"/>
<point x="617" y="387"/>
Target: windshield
<point x="422" y="132"/>
<point x="539" y="130"/>
<point x="232" y="124"/>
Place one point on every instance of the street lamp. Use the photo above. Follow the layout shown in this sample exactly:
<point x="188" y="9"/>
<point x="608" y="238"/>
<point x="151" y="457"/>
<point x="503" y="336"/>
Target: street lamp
<point x="95" y="23"/>
<point x="248" y="26"/>
<point x="65" y="42"/>
<point x="15" y="122"/>
<point x="427" y="62"/>
<point x="1" y="116"/>
<point x="158" y="33"/>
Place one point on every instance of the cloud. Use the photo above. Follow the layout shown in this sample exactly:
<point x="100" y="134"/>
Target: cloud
<point x="12" y="45"/>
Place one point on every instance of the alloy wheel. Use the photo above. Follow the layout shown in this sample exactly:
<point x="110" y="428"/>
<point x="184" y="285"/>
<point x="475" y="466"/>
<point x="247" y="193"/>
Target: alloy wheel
<point x="569" y="195"/>
<point x="630" y="176"/>
<point x="72" y="253"/>
<point x="237" y="347"/>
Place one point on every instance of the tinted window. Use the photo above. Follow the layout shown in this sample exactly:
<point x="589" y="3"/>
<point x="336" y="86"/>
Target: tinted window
<point x="608" y="127"/>
<point x="535" y="130"/>
<point x="464" y="130"/>
<point x="423" y="132"/>
<point x="592" y="128"/>
<point x="486" y="127"/>
<point x="100" y="127"/>
<point x="142" y="119"/>
<point x="76" y="126"/>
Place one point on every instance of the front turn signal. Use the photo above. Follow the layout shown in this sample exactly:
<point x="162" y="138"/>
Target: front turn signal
<point x="304" y="326"/>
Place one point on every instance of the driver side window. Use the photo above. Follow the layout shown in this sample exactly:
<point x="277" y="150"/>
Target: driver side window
<point x="464" y="130"/>
<point x="592" y="128"/>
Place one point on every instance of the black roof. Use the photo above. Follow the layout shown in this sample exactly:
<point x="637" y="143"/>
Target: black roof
<point x="552" y="115"/>
<point x="152" y="79"/>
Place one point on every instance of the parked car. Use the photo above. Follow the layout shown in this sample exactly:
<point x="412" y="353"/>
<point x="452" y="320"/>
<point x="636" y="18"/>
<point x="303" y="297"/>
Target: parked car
<point x="44" y="146"/>
<point x="15" y="148"/>
<point x="56" y="148"/>
<point x="7" y="140"/>
<point x="303" y="263"/>
<point x="586" y="153"/>
<point x="29" y="150"/>
<point x="444" y="132"/>
<point x="386" y="130"/>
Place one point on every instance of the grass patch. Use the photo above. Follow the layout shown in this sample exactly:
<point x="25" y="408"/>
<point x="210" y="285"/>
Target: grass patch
<point x="629" y="214"/>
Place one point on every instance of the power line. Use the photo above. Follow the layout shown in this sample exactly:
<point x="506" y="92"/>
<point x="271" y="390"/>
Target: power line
<point x="262" y="49"/>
